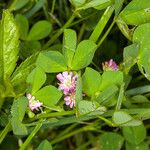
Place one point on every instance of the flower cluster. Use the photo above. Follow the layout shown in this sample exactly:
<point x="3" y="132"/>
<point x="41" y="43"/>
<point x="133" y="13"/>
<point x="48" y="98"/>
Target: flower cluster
<point x="33" y="103"/>
<point x="110" y="65"/>
<point x="68" y="86"/>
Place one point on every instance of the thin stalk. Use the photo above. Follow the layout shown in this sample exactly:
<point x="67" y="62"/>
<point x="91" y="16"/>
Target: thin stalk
<point x="97" y="67"/>
<point x="86" y="128"/>
<point x="82" y="29"/>
<point x="5" y="131"/>
<point x="13" y="4"/>
<point x="83" y="146"/>
<point x="59" y="32"/>
<point x="55" y="19"/>
<point x="82" y="19"/>
<point x="108" y="122"/>
<point x="101" y="24"/>
<point x="120" y="97"/>
<point x="45" y="9"/>
<point x="68" y="129"/>
<point x="30" y="137"/>
<point x="53" y="6"/>
<point x="106" y="34"/>
<point x="55" y="114"/>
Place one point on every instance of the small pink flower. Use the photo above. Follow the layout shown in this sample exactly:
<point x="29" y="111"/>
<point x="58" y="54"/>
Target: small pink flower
<point x="70" y="100"/>
<point x="68" y="86"/>
<point x="33" y="103"/>
<point x="110" y="65"/>
<point x="67" y="82"/>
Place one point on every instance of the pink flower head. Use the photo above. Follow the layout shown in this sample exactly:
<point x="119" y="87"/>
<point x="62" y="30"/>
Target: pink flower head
<point x="70" y="100"/>
<point x="33" y="103"/>
<point x="67" y="82"/>
<point x="110" y="65"/>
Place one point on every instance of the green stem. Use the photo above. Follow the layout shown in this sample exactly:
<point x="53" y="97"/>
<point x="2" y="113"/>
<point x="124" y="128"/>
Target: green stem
<point x="13" y="4"/>
<point x="108" y="122"/>
<point x="28" y="140"/>
<point x="83" y="146"/>
<point x="101" y="24"/>
<point x="106" y="34"/>
<point x="120" y="97"/>
<point x="55" y="19"/>
<point x="82" y="19"/>
<point x="86" y="128"/>
<point x="82" y="29"/>
<point x="53" y="6"/>
<point x="97" y="67"/>
<point x="46" y="10"/>
<point x="55" y="114"/>
<point x="68" y="129"/>
<point x="5" y="131"/>
<point x="59" y="32"/>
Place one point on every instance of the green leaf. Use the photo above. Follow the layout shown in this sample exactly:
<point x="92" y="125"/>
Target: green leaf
<point x="40" y="30"/>
<point x="77" y="3"/>
<point x="128" y="33"/>
<point x="141" y="146"/>
<point x="78" y="92"/>
<point x="136" y="12"/>
<point x="69" y="45"/>
<point x="98" y="4"/>
<point x="18" y="128"/>
<point x="139" y="99"/>
<point x="143" y="113"/>
<point x="15" y="5"/>
<point x="122" y="118"/>
<point x="18" y="110"/>
<point x="51" y="61"/>
<point x="91" y="81"/>
<point x="36" y="78"/>
<point x="120" y="97"/>
<point x="111" y="141"/>
<point x="85" y="107"/>
<point x="84" y="54"/>
<point x="135" y="135"/>
<point x="78" y="96"/>
<point x="49" y="95"/>
<point x="28" y="48"/>
<point x="19" y="77"/>
<point x="118" y="6"/>
<point x="130" y="56"/>
<point x="9" y="90"/>
<point x="44" y="145"/>
<point x="141" y="36"/>
<point x="9" y="40"/>
<point x="39" y="4"/>
<point x="101" y="4"/>
<point x="107" y="94"/>
<point x="23" y="25"/>
<point x="110" y="78"/>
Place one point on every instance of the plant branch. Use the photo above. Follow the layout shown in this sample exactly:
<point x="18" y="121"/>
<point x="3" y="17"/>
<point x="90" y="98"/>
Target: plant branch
<point x="5" y="131"/>
<point x="101" y="24"/>
<point x="59" y="32"/>
<point x="28" y="140"/>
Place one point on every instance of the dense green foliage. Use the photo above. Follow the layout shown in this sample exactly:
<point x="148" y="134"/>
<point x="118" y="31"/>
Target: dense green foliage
<point x="43" y="42"/>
